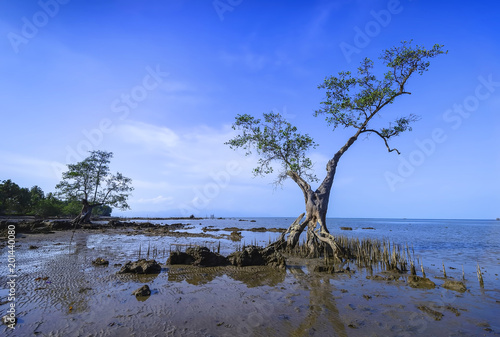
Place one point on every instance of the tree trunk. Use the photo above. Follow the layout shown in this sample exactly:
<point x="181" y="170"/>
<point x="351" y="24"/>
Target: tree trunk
<point x="86" y="212"/>
<point x="316" y="209"/>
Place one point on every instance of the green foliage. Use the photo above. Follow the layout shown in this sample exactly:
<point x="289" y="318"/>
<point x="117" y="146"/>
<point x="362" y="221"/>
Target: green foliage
<point x="91" y="181"/>
<point x="49" y="206"/>
<point x="104" y="210"/>
<point x="351" y="101"/>
<point x="72" y="208"/>
<point x="14" y="199"/>
<point x="274" y="139"/>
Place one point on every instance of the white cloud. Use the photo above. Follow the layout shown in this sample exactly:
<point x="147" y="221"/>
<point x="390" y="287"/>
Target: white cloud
<point x="24" y="165"/>
<point x="193" y="164"/>
<point x="156" y="200"/>
<point x="148" y="136"/>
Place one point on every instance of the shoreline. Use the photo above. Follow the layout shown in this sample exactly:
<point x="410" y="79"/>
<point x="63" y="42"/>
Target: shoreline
<point x="202" y="301"/>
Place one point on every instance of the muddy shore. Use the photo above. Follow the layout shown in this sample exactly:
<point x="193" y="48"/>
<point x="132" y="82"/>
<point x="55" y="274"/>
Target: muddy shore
<point x="59" y="292"/>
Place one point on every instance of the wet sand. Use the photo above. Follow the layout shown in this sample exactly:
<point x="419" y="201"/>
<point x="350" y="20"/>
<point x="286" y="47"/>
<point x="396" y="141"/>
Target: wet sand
<point x="60" y="293"/>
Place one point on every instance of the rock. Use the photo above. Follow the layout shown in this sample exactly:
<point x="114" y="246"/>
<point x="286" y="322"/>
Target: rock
<point x="235" y="236"/>
<point x="251" y="256"/>
<point x="142" y="291"/>
<point x="90" y="226"/>
<point x="33" y="247"/>
<point x="180" y="258"/>
<point x="116" y="223"/>
<point x="60" y="225"/>
<point x="376" y="278"/>
<point x="455" y="285"/>
<point x="420" y="282"/>
<point x="8" y="320"/>
<point x="36" y="226"/>
<point x="198" y="256"/>
<point x="100" y="262"/>
<point x="346" y="228"/>
<point x="141" y="267"/>
<point x="389" y="277"/>
<point x="258" y="229"/>
<point x="254" y="256"/>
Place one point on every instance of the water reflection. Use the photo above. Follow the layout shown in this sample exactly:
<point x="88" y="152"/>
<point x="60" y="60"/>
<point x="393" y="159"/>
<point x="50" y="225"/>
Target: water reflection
<point x="322" y="314"/>
<point x="254" y="276"/>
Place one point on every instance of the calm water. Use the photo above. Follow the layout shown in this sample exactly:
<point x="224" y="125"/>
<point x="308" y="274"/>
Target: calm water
<point x="454" y="242"/>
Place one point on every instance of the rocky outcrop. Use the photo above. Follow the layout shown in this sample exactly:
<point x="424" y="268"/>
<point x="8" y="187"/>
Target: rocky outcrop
<point x="250" y="256"/>
<point x="142" y="291"/>
<point x="254" y="256"/>
<point x="455" y="285"/>
<point x="198" y="256"/>
<point x="420" y="282"/>
<point x="141" y="267"/>
<point x="100" y="262"/>
<point x="36" y="226"/>
<point x="59" y="225"/>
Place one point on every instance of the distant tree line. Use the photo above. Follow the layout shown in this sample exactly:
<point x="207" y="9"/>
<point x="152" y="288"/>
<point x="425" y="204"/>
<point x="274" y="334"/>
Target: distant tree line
<point x="16" y="200"/>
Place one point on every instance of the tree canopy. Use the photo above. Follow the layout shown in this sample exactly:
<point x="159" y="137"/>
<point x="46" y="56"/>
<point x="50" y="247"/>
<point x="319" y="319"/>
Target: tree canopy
<point x="274" y="139"/>
<point x="351" y="101"/>
<point x="91" y="182"/>
<point x="16" y="200"/>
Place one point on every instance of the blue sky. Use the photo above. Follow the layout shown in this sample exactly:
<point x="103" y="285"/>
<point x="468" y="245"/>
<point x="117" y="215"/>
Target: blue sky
<point x="159" y="83"/>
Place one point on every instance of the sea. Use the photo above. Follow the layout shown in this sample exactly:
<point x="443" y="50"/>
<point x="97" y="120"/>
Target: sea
<point x="458" y="245"/>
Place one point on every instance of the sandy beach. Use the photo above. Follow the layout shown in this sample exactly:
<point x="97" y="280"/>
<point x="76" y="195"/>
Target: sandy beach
<point x="59" y="292"/>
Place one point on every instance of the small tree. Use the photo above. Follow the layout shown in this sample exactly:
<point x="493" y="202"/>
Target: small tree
<point x="91" y="182"/>
<point x="350" y="102"/>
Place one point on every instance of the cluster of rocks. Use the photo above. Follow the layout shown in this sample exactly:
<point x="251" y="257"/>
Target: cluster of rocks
<point x="35" y="226"/>
<point x="201" y="256"/>
<point x="425" y="283"/>
<point x="198" y="256"/>
<point x="250" y="256"/>
<point x="47" y="226"/>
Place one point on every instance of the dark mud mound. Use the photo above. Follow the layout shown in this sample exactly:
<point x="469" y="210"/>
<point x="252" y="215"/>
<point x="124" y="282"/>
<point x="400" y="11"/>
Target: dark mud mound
<point x="255" y="256"/>
<point x="420" y="282"/>
<point x="141" y="267"/>
<point x="198" y="256"/>
<point x="250" y="256"/>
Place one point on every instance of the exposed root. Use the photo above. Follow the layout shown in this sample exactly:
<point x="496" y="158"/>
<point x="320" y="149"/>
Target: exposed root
<point x="341" y="250"/>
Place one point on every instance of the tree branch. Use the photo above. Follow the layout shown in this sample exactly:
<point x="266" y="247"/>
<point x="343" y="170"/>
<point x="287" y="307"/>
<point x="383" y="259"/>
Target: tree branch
<point x="384" y="138"/>
<point x="304" y="186"/>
